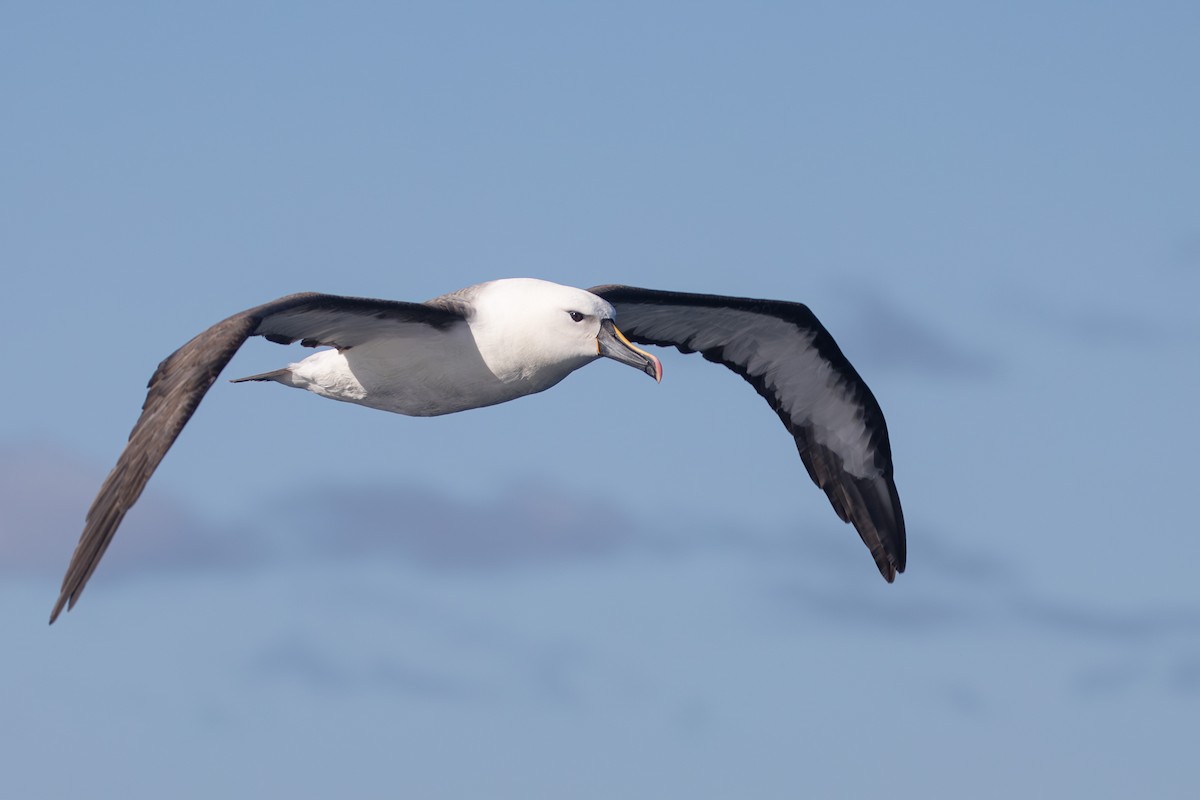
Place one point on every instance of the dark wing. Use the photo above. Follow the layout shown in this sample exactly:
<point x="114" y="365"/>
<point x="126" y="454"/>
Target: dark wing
<point x="181" y="381"/>
<point x="792" y="361"/>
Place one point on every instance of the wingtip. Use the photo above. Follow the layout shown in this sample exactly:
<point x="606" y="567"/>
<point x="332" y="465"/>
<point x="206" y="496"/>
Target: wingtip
<point x="889" y="566"/>
<point x="65" y="602"/>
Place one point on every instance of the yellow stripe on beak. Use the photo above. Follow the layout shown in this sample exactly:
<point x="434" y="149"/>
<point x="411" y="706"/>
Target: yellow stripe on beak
<point x="611" y="343"/>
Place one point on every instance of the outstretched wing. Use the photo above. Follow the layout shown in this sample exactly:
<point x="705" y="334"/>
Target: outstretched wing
<point x="182" y="380"/>
<point x="792" y="361"/>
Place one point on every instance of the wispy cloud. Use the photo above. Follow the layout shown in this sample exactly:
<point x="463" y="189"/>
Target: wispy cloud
<point x="1110" y="677"/>
<point x="1094" y="326"/>
<point x="45" y="493"/>
<point x="1115" y="625"/>
<point x="297" y="659"/>
<point x="900" y="612"/>
<point x="952" y="588"/>
<point x="806" y="571"/>
<point x="885" y="335"/>
<point x="1184" y="676"/>
<point x="524" y="524"/>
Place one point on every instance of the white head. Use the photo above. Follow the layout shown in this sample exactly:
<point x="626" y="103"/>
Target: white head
<point x="529" y="329"/>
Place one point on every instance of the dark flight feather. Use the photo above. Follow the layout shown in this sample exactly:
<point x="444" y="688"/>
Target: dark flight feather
<point x="792" y="361"/>
<point x="183" y="378"/>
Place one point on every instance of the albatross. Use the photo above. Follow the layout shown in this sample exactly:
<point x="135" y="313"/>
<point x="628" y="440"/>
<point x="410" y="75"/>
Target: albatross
<point x="504" y="339"/>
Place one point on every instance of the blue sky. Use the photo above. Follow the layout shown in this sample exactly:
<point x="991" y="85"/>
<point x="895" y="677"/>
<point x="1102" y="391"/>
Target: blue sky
<point x="993" y="209"/>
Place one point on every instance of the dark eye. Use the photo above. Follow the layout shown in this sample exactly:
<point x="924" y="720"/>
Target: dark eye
<point x="576" y="316"/>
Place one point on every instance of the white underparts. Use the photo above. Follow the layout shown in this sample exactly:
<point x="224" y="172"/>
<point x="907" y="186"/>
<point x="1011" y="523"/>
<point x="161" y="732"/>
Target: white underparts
<point x="328" y="374"/>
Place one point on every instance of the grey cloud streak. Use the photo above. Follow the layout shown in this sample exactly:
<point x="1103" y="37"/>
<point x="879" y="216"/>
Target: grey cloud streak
<point x="44" y="494"/>
<point x="883" y="335"/>
<point x="525" y="524"/>
<point x="297" y="659"/>
<point x="808" y="568"/>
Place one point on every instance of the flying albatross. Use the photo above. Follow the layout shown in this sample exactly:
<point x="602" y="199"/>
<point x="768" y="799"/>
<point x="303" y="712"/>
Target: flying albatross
<point x="500" y="340"/>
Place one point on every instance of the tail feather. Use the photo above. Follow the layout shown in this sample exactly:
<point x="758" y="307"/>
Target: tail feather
<point x="280" y="375"/>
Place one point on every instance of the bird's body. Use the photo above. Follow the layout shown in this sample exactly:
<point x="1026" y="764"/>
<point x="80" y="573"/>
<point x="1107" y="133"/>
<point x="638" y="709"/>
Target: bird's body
<point x="365" y="375"/>
<point x="500" y="340"/>
<point x="491" y="355"/>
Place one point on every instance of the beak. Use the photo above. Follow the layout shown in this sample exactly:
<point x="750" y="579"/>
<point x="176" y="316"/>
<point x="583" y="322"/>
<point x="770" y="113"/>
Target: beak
<point x="611" y="343"/>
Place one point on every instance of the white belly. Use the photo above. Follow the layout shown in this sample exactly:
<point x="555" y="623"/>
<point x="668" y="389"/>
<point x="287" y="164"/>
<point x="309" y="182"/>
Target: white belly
<point x="438" y="374"/>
